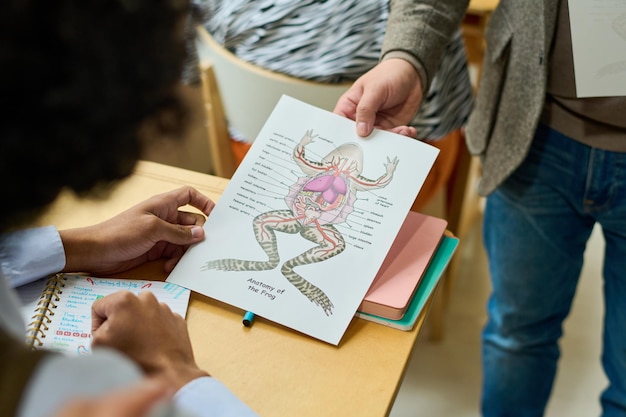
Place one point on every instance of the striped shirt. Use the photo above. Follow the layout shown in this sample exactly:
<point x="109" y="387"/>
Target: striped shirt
<point x="334" y="41"/>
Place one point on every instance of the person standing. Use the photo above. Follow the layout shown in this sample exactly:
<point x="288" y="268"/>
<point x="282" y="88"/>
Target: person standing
<point x="552" y="168"/>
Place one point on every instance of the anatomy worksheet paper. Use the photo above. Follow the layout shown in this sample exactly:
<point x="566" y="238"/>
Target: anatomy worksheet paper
<point x="306" y="221"/>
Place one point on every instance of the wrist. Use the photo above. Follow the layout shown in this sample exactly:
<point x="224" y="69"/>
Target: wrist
<point x="413" y="61"/>
<point x="79" y="246"/>
<point x="179" y="376"/>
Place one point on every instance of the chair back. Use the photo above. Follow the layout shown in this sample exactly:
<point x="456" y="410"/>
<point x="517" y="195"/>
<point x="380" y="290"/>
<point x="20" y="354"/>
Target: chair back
<point x="221" y="157"/>
<point x="248" y="93"/>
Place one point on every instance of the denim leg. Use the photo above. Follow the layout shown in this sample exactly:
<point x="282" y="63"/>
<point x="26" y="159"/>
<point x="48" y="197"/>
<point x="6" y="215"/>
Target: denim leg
<point x="608" y="205"/>
<point x="614" y="340"/>
<point x="535" y="236"/>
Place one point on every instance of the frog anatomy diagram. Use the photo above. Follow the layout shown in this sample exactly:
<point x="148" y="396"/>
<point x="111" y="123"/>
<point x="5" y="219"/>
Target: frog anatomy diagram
<point x="319" y="200"/>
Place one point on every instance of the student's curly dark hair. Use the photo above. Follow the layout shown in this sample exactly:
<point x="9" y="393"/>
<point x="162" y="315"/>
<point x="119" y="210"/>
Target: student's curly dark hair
<point x="82" y="84"/>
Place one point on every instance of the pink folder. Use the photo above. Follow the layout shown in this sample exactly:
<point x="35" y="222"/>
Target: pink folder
<point x="391" y="291"/>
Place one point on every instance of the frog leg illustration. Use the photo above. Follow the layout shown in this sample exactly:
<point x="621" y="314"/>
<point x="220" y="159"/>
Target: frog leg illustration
<point x="264" y="226"/>
<point x="329" y="243"/>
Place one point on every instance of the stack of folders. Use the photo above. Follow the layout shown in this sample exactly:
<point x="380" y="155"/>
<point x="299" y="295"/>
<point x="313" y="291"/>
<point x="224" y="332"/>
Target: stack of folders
<point x="410" y="273"/>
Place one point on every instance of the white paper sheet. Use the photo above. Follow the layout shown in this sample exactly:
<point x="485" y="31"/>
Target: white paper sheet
<point x="271" y="182"/>
<point x="599" y="46"/>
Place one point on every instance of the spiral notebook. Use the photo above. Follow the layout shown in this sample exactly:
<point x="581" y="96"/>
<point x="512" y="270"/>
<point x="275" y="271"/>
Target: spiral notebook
<point x="57" y="309"/>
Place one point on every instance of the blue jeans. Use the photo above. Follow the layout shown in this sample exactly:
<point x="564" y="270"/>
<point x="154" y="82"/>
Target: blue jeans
<point x="536" y="226"/>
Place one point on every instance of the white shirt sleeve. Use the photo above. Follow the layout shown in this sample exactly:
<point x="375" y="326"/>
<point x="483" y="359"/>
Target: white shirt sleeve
<point x="59" y="378"/>
<point x="29" y="254"/>
<point x="209" y="397"/>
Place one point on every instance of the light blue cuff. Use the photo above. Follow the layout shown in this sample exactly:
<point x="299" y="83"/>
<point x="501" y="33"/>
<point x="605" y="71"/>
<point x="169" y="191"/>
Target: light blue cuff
<point x="207" y="396"/>
<point x="29" y="254"/>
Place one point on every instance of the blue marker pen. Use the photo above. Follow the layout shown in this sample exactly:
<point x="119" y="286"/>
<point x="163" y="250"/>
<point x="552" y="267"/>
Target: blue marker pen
<point x="248" y="318"/>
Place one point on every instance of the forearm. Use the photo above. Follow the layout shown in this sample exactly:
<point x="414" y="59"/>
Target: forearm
<point x="72" y="250"/>
<point x="422" y="28"/>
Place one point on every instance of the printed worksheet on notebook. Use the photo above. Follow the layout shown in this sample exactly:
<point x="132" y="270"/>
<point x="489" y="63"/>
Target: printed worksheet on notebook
<point x="306" y="221"/>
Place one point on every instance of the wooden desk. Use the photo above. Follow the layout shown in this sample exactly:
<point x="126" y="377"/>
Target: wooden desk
<point x="277" y="371"/>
